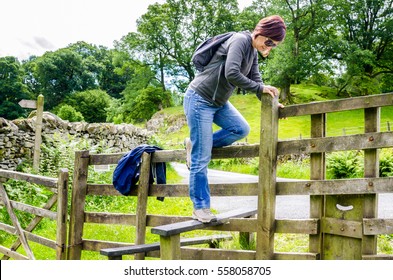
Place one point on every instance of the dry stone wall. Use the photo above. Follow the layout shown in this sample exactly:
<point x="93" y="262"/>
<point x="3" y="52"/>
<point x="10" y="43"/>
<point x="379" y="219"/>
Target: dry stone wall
<point x="17" y="136"/>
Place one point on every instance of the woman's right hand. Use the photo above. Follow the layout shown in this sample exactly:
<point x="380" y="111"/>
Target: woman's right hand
<point x="273" y="91"/>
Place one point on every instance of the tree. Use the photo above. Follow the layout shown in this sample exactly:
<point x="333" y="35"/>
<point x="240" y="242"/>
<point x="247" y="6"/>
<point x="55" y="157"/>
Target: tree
<point x="366" y="30"/>
<point x="60" y="73"/>
<point x="103" y="65"/>
<point x="143" y="96"/>
<point x="12" y="89"/>
<point x="169" y="33"/>
<point x="148" y="101"/>
<point x="78" y="67"/>
<point x="307" y="47"/>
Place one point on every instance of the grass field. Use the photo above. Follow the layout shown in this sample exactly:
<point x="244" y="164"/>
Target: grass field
<point x="341" y="123"/>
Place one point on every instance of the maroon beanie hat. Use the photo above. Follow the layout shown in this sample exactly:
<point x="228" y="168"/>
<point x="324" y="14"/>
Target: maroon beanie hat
<point x="272" y="27"/>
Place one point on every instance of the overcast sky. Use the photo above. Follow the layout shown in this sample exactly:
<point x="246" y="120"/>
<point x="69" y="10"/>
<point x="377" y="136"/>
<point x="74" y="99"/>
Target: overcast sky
<point x="32" y="27"/>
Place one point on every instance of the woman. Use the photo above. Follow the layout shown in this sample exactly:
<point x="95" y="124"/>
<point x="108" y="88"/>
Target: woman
<point x="235" y="64"/>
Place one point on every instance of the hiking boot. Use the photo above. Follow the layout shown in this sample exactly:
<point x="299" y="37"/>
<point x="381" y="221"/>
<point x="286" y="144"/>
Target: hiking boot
<point x="204" y="215"/>
<point x="187" y="145"/>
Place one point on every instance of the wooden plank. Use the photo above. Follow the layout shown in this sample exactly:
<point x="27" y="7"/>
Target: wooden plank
<point x="30" y="178"/>
<point x="344" y="212"/>
<point x="7" y="228"/>
<point x="366" y="141"/>
<point x="12" y="254"/>
<point x="179" y="190"/>
<point x="110" y="218"/>
<point x="378" y="257"/>
<point x="296" y="256"/>
<point x="237" y="224"/>
<point x="97" y="245"/>
<point x="370" y="101"/>
<point x="177" y="228"/>
<point x="317" y="172"/>
<point x="342" y="227"/>
<point x="104" y="189"/>
<point x="159" y="220"/>
<point x="40" y="240"/>
<point x="236" y="151"/>
<point x="78" y="197"/>
<point x="62" y="214"/>
<point x="16" y="223"/>
<point x="29" y="236"/>
<point x="372" y="118"/>
<point x="34" y="210"/>
<point x="105" y="159"/>
<point x="336" y="187"/>
<point x="267" y="177"/>
<point x="216" y="254"/>
<point x="129" y="250"/>
<point x="141" y="208"/>
<point x="377" y="226"/>
<point x="304" y="226"/>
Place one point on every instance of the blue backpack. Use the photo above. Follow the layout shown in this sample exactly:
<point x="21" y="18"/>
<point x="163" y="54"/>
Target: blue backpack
<point x="205" y="51"/>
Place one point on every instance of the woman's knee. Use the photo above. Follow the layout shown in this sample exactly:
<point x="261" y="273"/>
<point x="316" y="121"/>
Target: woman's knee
<point x="243" y="130"/>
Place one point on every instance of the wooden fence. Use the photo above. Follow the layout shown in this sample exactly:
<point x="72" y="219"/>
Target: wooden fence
<point x="343" y="221"/>
<point x="344" y="210"/>
<point x="141" y="219"/>
<point x="59" y="188"/>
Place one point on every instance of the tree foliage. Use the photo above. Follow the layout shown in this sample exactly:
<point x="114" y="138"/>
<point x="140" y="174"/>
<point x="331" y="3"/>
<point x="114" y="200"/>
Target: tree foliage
<point x="169" y="33"/>
<point x="67" y="112"/>
<point x="366" y="31"/>
<point x="12" y="88"/>
<point x="92" y="104"/>
<point x="344" y="44"/>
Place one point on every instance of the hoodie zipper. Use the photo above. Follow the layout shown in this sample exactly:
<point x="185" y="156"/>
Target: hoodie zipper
<point x="218" y="82"/>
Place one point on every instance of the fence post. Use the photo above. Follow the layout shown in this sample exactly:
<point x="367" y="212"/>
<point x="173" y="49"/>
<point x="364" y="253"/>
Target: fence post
<point x="77" y="213"/>
<point x="38" y="131"/>
<point x="371" y="170"/>
<point x="317" y="172"/>
<point x="62" y="214"/>
<point x="267" y="178"/>
<point x="143" y="190"/>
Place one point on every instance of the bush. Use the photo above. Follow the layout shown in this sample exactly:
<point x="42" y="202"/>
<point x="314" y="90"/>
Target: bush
<point x="386" y="163"/>
<point x="348" y="164"/>
<point x="92" y="104"/>
<point x="67" y="112"/>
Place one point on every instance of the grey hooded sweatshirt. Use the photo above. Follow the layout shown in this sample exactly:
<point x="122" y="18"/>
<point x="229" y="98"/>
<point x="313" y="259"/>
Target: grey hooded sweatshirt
<point x="235" y="64"/>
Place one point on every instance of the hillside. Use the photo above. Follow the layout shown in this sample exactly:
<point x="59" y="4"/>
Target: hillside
<point x="170" y="125"/>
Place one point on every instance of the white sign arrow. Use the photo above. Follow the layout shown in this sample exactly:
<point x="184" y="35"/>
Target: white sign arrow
<point x="25" y="103"/>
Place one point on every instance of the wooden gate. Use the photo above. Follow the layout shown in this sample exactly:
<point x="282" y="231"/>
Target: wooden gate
<point x="59" y="188"/>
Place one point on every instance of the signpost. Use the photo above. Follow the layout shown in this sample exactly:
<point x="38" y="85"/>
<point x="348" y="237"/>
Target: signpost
<point x="39" y="105"/>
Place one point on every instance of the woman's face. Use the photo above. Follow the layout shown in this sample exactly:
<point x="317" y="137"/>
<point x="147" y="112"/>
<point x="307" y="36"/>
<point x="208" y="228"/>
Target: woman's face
<point x="264" y="44"/>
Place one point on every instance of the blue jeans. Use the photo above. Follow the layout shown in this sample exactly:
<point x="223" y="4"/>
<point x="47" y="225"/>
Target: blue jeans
<point x="201" y="115"/>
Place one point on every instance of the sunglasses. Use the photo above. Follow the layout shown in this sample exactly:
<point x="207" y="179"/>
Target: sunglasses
<point x="270" y="43"/>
